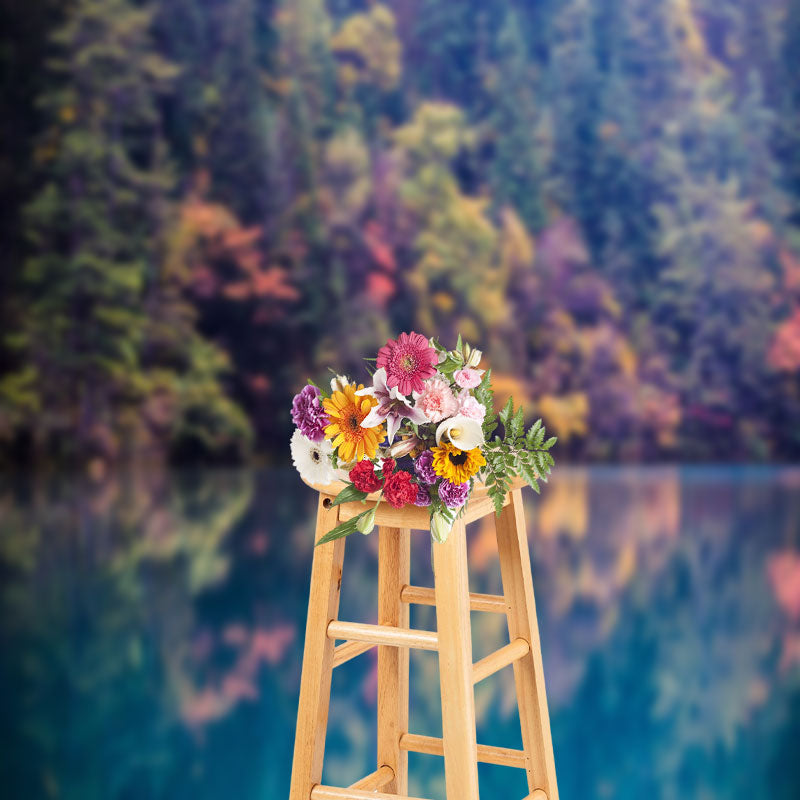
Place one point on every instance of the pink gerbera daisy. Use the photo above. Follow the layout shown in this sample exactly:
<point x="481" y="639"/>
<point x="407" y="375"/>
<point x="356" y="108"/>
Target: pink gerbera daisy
<point x="408" y="361"/>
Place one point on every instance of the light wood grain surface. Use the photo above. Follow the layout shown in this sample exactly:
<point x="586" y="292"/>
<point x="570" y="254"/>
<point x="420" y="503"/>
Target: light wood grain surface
<point x="315" y="681"/>
<point x="383" y="634"/>
<point x="515" y="568"/>
<point x="422" y="595"/>
<point x="376" y="781"/>
<point x="332" y="793"/>
<point x="394" y="572"/>
<point x="455" y="665"/>
<point x="488" y="754"/>
<point x="513" y="651"/>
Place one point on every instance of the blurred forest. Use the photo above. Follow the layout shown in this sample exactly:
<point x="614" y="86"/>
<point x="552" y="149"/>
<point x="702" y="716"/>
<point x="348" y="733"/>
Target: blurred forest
<point x="205" y="202"/>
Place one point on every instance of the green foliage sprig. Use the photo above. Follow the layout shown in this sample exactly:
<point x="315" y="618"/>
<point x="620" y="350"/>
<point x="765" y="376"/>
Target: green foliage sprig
<point x="519" y="452"/>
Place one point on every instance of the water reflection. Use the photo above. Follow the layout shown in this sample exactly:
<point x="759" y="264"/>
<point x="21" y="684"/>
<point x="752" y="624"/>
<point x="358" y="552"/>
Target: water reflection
<point x="152" y="636"/>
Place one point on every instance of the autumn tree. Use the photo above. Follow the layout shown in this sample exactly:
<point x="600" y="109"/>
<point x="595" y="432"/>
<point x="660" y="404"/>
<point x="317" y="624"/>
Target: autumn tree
<point x="113" y="362"/>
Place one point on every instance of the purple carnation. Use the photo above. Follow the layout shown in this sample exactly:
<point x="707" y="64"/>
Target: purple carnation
<point x="423" y="497"/>
<point x="423" y="466"/>
<point x="308" y="414"/>
<point x="453" y="495"/>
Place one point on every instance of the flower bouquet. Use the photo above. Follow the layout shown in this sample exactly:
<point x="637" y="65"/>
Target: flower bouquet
<point x="423" y="433"/>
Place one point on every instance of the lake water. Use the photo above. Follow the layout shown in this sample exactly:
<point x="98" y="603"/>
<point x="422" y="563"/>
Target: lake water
<point x="151" y="637"/>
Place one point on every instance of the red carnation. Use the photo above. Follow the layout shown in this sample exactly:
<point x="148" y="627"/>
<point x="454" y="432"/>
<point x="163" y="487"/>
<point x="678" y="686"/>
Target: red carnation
<point x="388" y="466"/>
<point x="399" y="490"/>
<point x="364" y="478"/>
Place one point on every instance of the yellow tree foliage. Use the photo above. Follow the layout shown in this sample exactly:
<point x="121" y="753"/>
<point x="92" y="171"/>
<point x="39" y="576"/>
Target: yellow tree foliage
<point x="518" y="249"/>
<point x="566" y="414"/>
<point x="435" y="134"/>
<point x="691" y="42"/>
<point x="368" y="50"/>
<point x="347" y="185"/>
<point x="460" y="279"/>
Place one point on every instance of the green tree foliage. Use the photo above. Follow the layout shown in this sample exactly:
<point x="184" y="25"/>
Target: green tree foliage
<point x="458" y="279"/>
<point x="25" y="30"/>
<point x="112" y="356"/>
<point x="789" y="104"/>
<point x="220" y="114"/>
<point x="520" y="137"/>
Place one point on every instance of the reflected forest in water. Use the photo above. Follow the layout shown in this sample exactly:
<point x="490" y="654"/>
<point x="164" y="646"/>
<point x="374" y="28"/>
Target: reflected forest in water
<point x="151" y="636"/>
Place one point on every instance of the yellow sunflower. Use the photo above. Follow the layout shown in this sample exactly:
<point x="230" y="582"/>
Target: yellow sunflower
<point x="346" y="412"/>
<point x="457" y="466"/>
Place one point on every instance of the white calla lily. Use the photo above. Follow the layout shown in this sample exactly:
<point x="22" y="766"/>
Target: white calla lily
<point x="463" y="432"/>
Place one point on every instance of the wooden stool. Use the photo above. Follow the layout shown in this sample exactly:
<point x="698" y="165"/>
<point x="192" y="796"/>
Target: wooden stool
<point x="452" y="640"/>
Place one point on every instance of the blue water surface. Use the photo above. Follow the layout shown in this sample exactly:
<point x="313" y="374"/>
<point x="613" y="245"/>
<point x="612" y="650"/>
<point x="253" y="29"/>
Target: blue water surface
<point x="151" y="634"/>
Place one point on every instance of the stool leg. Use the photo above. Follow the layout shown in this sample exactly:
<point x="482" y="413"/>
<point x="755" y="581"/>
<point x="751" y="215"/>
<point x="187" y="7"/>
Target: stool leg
<point x="315" y="683"/>
<point x="515" y="566"/>
<point x="394" y="572"/>
<point x="455" y="665"/>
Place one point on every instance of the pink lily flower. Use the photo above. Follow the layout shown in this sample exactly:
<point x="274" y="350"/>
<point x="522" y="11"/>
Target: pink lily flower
<point x="392" y="407"/>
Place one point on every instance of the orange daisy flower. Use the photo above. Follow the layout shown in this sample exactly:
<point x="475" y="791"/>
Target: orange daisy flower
<point x="346" y="412"/>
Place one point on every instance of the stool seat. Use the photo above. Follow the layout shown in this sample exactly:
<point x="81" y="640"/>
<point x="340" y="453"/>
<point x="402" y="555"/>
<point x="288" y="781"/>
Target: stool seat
<point x="452" y="641"/>
<point x="413" y="517"/>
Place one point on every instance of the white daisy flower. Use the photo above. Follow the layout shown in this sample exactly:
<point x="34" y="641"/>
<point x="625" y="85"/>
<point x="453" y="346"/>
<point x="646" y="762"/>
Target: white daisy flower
<point x="312" y="459"/>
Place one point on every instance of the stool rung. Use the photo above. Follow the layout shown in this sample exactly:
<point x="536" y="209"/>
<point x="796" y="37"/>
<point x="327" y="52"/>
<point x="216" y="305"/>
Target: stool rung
<point x="537" y="794"/>
<point x="344" y="652"/>
<point x="375" y="780"/>
<point x="512" y="652"/>
<point x="383" y="634"/>
<point x="332" y="793"/>
<point x="422" y="596"/>
<point x="488" y="754"/>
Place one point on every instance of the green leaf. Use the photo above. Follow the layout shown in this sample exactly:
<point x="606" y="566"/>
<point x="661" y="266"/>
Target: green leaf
<point x="449" y="366"/>
<point x="348" y="495"/>
<point x="517" y="423"/>
<point x="550" y="442"/>
<point x="323" y="392"/>
<point x="498" y="495"/>
<point x="508" y="410"/>
<point x="530" y="436"/>
<point x="484" y="394"/>
<point x="527" y="473"/>
<point x="344" y="529"/>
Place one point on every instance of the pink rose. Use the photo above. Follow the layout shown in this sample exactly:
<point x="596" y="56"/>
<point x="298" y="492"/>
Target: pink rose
<point x="468" y="378"/>
<point x="469" y="407"/>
